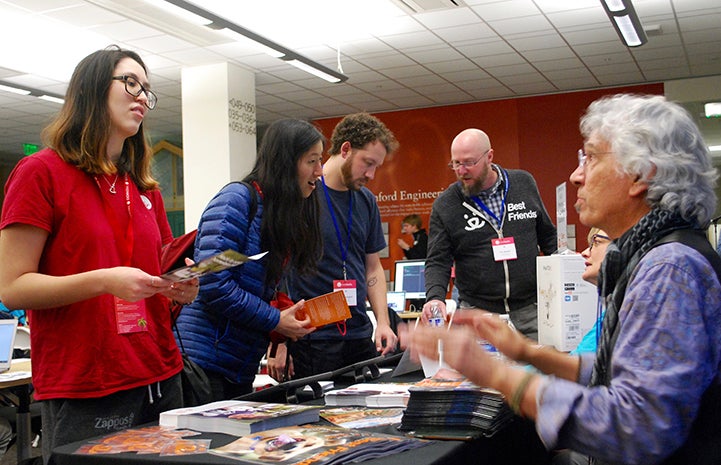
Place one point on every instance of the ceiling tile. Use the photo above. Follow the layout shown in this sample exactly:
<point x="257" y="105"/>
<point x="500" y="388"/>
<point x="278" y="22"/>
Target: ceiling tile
<point x="395" y="61"/>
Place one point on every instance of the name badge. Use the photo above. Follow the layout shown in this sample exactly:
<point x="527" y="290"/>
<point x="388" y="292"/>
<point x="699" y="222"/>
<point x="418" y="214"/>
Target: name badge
<point x="131" y="317"/>
<point x="348" y="286"/>
<point x="504" y="248"/>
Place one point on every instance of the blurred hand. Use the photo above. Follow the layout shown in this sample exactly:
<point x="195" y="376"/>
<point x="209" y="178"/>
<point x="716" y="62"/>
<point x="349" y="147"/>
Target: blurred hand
<point x="461" y="352"/>
<point x="490" y="327"/>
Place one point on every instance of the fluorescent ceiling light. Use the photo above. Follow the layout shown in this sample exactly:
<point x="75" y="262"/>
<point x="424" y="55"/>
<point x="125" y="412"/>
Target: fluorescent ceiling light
<point x="615" y="5"/>
<point x="714" y="148"/>
<point x="712" y="110"/>
<point x="314" y="71"/>
<point x="25" y="90"/>
<point x="628" y="32"/>
<point x="51" y="59"/>
<point x="625" y="20"/>
<point x="312" y="24"/>
<point x="181" y="12"/>
<point x="14" y="90"/>
<point x="50" y="98"/>
<point x="219" y="23"/>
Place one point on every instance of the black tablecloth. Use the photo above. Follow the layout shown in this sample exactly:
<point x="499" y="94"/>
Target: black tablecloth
<point x="516" y="444"/>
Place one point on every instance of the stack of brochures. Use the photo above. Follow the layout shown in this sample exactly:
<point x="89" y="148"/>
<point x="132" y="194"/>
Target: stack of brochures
<point x="239" y="417"/>
<point x="370" y="395"/>
<point x="320" y="445"/>
<point x="454" y="407"/>
<point x="362" y="417"/>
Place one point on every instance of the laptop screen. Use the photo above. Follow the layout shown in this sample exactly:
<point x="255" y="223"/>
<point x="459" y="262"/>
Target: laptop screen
<point x="397" y="301"/>
<point x="7" y="341"/>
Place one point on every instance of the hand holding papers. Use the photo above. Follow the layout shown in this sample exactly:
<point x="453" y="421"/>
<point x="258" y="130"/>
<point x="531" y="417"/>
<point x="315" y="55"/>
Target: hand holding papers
<point x="222" y="261"/>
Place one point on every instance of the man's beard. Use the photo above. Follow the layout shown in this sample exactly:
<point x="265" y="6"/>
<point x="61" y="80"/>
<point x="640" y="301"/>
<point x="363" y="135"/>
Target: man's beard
<point x="477" y="186"/>
<point x="474" y="189"/>
<point x="346" y="171"/>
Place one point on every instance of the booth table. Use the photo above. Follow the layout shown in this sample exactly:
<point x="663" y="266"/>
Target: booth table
<point x="516" y="444"/>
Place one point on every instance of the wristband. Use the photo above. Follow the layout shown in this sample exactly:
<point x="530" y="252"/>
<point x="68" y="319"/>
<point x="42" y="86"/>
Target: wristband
<point x="518" y="393"/>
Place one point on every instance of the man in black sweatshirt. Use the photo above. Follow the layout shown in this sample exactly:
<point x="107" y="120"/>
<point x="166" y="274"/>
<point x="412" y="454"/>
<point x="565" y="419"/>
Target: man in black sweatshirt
<point x="492" y="223"/>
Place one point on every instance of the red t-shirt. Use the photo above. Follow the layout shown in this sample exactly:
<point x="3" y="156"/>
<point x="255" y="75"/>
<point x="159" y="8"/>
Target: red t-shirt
<point x="77" y="350"/>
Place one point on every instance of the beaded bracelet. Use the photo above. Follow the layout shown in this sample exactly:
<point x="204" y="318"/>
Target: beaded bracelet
<point x="518" y="393"/>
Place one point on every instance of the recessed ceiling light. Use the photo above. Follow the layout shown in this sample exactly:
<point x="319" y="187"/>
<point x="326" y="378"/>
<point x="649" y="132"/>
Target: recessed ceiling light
<point x="712" y="109"/>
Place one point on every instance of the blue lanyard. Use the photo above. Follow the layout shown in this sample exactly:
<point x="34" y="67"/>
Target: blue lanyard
<point x="483" y="206"/>
<point x="343" y="246"/>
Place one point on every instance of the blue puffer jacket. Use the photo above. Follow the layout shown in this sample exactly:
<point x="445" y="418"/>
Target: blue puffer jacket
<point x="226" y="330"/>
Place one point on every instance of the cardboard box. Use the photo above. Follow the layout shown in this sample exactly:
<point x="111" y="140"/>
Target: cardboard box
<point x="566" y="303"/>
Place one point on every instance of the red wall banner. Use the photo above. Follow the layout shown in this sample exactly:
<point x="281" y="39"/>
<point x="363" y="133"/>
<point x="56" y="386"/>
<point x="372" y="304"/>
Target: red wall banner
<point x="537" y="134"/>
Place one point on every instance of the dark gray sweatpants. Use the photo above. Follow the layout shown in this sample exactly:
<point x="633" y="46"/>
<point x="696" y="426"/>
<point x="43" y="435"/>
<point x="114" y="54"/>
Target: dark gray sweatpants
<point x="69" y="420"/>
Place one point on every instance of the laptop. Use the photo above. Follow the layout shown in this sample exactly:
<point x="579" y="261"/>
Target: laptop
<point x="397" y="301"/>
<point x="8" y="327"/>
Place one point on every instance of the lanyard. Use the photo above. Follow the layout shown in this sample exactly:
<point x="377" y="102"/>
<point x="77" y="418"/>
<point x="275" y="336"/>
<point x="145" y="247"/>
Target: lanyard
<point x="483" y="206"/>
<point x="343" y="246"/>
<point x="124" y="243"/>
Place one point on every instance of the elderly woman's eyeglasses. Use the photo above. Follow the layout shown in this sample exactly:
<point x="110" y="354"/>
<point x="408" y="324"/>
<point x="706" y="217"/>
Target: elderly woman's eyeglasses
<point x="598" y="239"/>
<point x="134" y="88"/>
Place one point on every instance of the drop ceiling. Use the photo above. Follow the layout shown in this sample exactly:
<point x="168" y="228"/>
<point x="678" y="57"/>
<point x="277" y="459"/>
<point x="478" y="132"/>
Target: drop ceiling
<point x="452" y="51"/>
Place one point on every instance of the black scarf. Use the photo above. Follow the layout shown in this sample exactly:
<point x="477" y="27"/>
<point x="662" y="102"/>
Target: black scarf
<point x="622" y="257"/>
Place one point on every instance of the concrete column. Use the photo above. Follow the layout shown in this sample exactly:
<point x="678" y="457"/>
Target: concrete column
<point x="219" y="140"/>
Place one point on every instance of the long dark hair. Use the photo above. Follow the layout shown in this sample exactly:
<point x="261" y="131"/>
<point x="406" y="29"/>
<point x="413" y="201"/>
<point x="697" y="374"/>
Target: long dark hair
<point x="290" y="228"/>
<point x="80" y="131"/>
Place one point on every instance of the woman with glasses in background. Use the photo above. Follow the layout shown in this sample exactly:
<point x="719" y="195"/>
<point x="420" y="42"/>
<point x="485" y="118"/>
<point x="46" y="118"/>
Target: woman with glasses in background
<point x="83" y="224"/>
<point x="598" y="241"/>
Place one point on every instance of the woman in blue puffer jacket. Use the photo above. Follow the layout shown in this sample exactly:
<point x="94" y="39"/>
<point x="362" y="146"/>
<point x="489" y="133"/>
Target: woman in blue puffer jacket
<point x="226" y="329"/>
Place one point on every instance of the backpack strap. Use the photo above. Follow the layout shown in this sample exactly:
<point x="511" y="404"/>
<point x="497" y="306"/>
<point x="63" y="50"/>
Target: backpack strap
<point x="697" y="240"/>
<point x="253" y="201"/>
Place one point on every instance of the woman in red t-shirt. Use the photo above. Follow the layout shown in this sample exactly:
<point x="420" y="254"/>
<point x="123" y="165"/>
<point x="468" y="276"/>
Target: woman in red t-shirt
<point x="82" y="226"/>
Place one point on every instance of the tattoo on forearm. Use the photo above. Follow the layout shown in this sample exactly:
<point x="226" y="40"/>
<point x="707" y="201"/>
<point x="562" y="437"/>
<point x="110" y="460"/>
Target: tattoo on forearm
<point x="372" y="282"/>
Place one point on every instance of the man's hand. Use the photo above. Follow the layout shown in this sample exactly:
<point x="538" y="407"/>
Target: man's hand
<point x="277" y="364"/>
<point x="426" y="312"/>
<point x="385" y="338"/>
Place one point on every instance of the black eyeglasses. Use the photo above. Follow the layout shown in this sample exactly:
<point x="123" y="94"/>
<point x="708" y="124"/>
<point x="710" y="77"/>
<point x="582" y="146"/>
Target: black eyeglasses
<point x="597" y="239"/>
<point x="134" y="88"/>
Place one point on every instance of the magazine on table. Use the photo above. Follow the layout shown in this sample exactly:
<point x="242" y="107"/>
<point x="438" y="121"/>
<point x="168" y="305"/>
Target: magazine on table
<point x="219" y="262"/>
<point x="239" y="417"/>
<point x="313" y="444"/>
<point x="147" y="440"/>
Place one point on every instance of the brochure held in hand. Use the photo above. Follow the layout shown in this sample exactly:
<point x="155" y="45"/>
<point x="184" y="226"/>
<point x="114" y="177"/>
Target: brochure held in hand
<point x="325" y="309"/>
<point x="219" y="262"/>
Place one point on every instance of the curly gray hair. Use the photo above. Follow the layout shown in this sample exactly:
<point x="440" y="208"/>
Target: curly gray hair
<point x="658" y="141"/>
